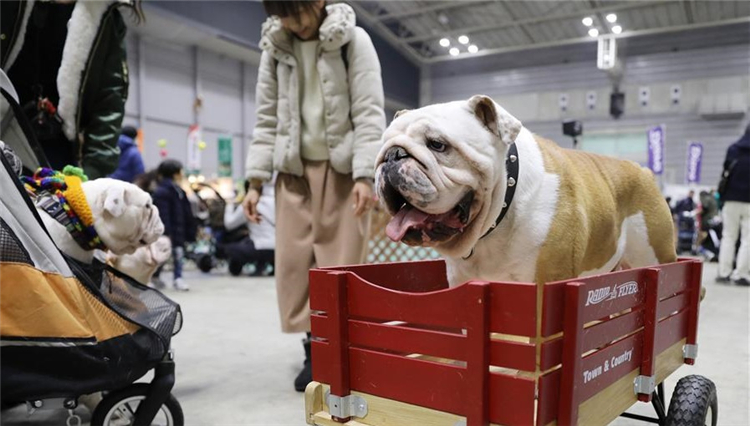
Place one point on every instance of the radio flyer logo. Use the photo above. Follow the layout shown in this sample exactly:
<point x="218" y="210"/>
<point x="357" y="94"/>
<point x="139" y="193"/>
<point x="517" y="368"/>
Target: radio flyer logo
<point x="610" y="293"/>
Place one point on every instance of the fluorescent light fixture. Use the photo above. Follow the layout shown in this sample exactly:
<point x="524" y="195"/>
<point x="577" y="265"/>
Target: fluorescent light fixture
<point x="616" y="29"/>
<point x="473" y="48"/>
<point x="454" y="51"/>
<point x="445" y="42"/>
<point x="612" y="18"/>
<point x="463" y="39"/>
<point x="587" y="21"/>
<point x="593" y="32"/>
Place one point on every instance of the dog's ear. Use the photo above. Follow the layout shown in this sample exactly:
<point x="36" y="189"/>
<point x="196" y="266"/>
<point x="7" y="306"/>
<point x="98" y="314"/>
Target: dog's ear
<point x="399" y="113"/>
<point x="114" y="200"/>
<point x="497" y="120"/>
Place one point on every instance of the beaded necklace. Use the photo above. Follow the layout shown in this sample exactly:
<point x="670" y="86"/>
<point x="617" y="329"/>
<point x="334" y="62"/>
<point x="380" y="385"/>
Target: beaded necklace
<point x="60" y="195"/>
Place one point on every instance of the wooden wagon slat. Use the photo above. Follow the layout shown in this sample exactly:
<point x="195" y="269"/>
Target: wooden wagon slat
<point x="511" y="400"/>
<point x="515" y="355"/>
<point x="674" y="278"/>
<point x="513" y="308"/>
<point x="407" y="340"/>
<point x="319" y="326"/>
<point x="671" y="305"/>
<point x="412" y="277"/>
<point x="414" y="381"/>
<point x="443" y="308"/>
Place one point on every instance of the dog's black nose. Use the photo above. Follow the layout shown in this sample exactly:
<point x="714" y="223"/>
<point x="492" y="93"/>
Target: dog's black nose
<point x="395" y="153"/>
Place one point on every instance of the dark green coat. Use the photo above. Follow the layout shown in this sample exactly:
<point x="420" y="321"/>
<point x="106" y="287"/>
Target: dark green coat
<point x="92" y="86"/>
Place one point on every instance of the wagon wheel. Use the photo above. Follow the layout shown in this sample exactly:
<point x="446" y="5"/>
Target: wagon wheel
<point x="693" y="403"/>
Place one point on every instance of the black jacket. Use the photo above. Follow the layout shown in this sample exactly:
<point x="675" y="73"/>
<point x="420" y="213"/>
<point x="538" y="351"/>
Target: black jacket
<point x="79" y="61"/>
<point x="175" y="212"/>
<point x="738" y="184"/>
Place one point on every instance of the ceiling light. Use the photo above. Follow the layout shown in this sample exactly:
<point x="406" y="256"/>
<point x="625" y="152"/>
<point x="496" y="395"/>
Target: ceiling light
<point x="463" y="39"/>
<point x="473" y="48"/>
<point x="616" y="29"/>
<point x="445" y="42"/>
<point x="611" y="17"/>
<point x="593" y="32"/>
<point x="587" y="21"/>
<point x="453" y="51"/>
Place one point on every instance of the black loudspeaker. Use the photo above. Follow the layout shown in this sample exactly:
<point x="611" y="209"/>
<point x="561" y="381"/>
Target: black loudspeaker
<point x="572" y="128"/>
<point x="616" y="104"/>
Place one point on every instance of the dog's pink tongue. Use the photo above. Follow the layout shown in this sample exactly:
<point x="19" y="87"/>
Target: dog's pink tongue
<point x="406" y="218"/>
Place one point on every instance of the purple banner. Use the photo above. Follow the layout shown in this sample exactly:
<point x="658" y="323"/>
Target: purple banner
<point x="695" y="156"/>
<point x="656" y="149"/>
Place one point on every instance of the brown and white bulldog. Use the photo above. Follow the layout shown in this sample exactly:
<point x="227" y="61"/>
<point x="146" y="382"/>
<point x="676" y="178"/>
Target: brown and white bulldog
<point x="443" y="174"/>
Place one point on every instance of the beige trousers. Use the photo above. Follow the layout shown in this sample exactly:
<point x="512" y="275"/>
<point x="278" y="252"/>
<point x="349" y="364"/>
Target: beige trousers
<point x="315" y="227"/>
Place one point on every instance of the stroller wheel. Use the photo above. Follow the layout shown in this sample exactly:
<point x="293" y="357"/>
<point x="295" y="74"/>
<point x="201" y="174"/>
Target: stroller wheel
<point x="235" y="267"/>
<point x="118" y="408"/>
<point x="205" y="263"/>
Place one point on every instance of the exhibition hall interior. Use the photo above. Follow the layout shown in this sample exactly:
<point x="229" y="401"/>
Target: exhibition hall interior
<point x="375" y="212"/>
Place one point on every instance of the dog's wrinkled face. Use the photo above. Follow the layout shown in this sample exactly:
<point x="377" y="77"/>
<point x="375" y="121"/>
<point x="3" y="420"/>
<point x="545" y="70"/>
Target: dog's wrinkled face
<point x="124" y="216"/>
<point x="441" y="170"/>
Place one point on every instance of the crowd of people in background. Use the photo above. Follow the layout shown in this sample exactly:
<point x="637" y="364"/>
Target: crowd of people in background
<point x="716" y="225"/>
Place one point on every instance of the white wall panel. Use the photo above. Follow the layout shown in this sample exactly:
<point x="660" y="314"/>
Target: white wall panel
<point x="168" y="89"/>
<point x="532" y="95"/>
<point x="220" y="87"/>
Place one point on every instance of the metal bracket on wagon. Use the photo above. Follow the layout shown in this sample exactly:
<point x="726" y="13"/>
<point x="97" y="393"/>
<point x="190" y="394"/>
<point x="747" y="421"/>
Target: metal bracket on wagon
<point x="644" y="385"/>
<point x="346" y="406"/>
<point x="690" y="351"/>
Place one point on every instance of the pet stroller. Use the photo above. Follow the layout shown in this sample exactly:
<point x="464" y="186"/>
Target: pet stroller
<point x="69" y="329"/>
<point x="209" y="249"/>
<point x="687" y="232"/>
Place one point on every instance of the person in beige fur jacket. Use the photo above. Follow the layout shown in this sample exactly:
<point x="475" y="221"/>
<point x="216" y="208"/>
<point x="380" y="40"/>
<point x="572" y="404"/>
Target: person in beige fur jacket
<point x="320" y="120"/>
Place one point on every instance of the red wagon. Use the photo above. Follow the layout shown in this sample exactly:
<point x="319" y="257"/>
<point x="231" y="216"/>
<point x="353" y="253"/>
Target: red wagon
<point x="393" y="345"/>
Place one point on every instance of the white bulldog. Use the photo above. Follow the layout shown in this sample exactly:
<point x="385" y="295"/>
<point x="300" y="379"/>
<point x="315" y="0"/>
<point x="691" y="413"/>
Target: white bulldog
<point x="124" y="218"/>
<point x="443" y="174"/>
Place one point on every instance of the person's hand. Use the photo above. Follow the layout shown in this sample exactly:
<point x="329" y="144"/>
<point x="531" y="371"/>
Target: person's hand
<point x="364" y="199"/>
<point x="250" y="205"/>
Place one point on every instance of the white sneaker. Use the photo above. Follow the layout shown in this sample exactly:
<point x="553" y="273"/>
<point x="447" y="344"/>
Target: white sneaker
<point x="181" y="285"/>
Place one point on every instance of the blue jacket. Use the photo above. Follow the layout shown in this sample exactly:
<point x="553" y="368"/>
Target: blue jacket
<point x="131" y="162"/>
<point x="738" y="185"/>
<point x="175" y="212"/>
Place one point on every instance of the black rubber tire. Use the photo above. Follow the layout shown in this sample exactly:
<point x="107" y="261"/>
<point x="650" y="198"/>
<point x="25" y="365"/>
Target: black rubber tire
<point x="235" y="267"/>
<point x="114" y="398"/>
<point x="692" y="399"/>
<point x="205" y="263"/>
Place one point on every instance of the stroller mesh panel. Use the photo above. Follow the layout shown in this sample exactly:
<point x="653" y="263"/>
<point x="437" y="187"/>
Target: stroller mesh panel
<point x="142" y="305"/>
<point x="11" y="249"/>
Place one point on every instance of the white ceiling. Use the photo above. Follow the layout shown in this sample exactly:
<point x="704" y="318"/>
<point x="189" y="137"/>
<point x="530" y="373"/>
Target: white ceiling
<point x="495" y="26"/>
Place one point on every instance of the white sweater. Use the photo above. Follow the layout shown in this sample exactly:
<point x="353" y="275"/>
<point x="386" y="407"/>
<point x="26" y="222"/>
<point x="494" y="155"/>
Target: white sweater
<point x="263" y="234"/>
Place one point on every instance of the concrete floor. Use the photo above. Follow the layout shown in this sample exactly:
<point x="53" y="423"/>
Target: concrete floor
<point x="234" y="367"/>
